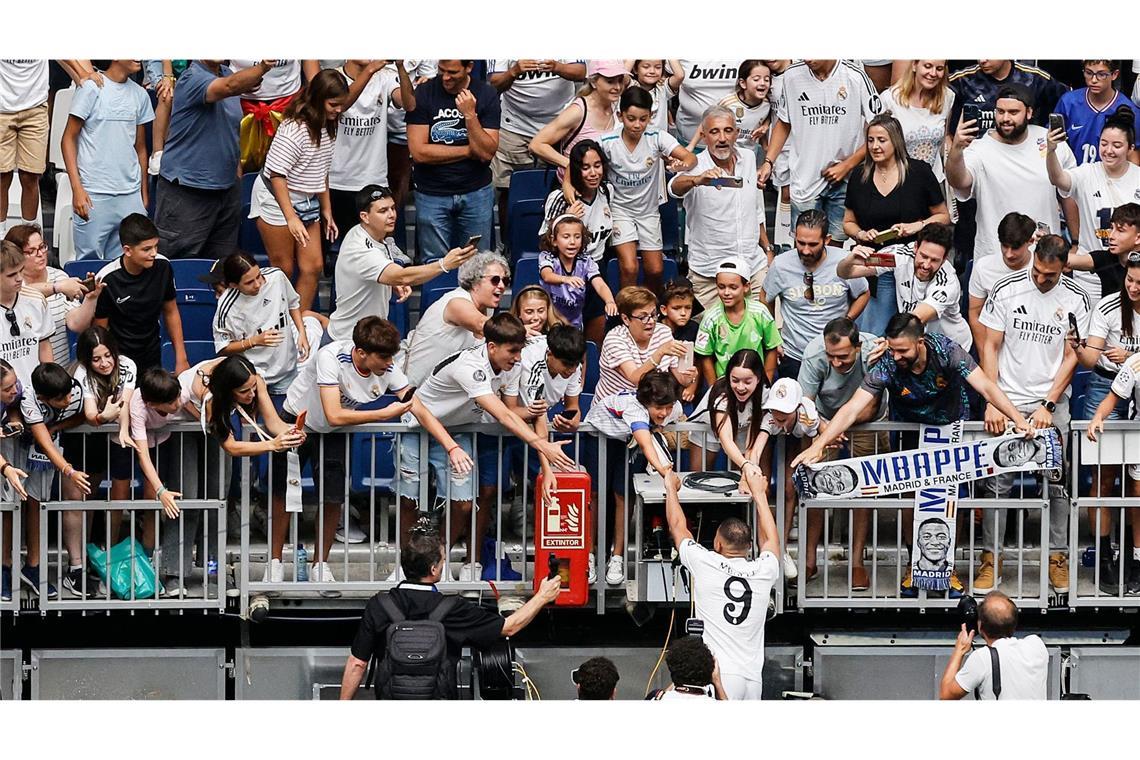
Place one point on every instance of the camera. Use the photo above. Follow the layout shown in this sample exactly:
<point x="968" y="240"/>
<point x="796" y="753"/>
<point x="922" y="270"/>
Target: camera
<point x="968" y="613"/>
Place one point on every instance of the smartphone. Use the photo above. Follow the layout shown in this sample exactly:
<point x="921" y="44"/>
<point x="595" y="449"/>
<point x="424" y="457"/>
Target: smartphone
<point x="1073" y="326"/>
<point x="7" y="430"/>
<point x="299" y="425"/>
<point x="881" y="259"/>
<point x="474" y="240"/>
<point x="972" y="112"/>
<point x="1057" y="121"/>
<point x="734" y="182"/>
<point x="568" y="415"/>
<point x="886" y="236"/>
<point x="686" y="362"/>
<point x="88" y="282"/>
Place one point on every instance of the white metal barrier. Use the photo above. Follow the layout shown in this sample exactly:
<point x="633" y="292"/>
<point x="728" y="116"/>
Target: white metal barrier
<point x="11" y="519"/>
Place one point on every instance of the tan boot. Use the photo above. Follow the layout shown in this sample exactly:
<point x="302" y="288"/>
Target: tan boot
<point x="1059" y="572"/>
<point x="985" y="580"/>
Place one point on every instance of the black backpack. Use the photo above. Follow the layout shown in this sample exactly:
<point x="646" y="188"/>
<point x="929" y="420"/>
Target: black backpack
<point x="415" y="663"/>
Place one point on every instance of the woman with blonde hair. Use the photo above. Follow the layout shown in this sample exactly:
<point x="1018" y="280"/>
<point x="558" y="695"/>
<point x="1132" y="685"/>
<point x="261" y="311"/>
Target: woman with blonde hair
<point x="921" y="101"/>
<point x="888" y="202"/>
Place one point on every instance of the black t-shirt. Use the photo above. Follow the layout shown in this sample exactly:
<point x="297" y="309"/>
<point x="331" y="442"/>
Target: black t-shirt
<point x="132" y="305"/>
<point x="466" y="624"/>
<point x="436" y="109"/>
<point x="1107" y="267"/>
<point x="909" y="202"/>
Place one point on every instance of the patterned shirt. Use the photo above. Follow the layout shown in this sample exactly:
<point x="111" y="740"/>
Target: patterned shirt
<point x="935" y="397"/>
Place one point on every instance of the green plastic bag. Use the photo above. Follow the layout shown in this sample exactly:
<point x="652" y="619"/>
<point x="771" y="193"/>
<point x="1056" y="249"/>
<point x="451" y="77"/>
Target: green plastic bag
<point x="115" y="571"/>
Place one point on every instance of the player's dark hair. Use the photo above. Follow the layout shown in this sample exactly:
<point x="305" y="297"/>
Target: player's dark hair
<point x="1052" y="248"/>
<point x="734" y="533"/>
<point x="690" y="662"/>
<point x="374" y="335"/>
<point x="997" y="615"/>
<point x="751" y="360"/>
<point x="567" y="343"/>
<point x="937" y="233"/>
<point x="1124" y="119"/>
<point x="1015" y="229"/>
<point x="505" y="329"/>
<point x="597" y="678"/>
<point x="658" y="389"/>
<point x="226" y="377"/>
<point x="158" y="386"/>
<point x="840" y="328"/>
<point x="1126" y="214"/>
<point x="904" y="325"/>
<point x="423" y="549"/>
<point x="636" y="97"/>
<point x="51" y="381"/>
<point x="135" y="228"/>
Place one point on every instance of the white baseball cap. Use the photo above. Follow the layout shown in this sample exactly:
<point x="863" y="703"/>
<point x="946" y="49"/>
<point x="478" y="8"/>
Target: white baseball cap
<point x="785" y="396"/>
<point x="735" y="265"/>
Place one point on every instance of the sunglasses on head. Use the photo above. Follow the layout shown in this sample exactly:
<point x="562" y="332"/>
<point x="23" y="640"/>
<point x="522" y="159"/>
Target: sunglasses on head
<point x="497" y="279"/>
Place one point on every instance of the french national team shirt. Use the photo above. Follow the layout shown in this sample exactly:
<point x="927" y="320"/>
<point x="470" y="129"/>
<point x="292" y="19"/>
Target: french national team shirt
<point x="334" y="368"/>
<point x="1034" y="325"/>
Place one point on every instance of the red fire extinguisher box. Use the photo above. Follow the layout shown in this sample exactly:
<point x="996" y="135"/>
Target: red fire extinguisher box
<point x="562" y="532"/>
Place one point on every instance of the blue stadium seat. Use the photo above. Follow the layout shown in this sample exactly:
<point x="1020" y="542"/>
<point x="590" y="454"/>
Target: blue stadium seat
<point x="585" y="401"/>
<point x="196" y="351"/>
<point x="373" y="460"/>
<point x="670" y="227"/>
<point x="187" y="272"/>
<point x="669" y="271"/>
<point x="84" y="267"/>
<point x="593" y="368"/>
<point x="431" y="295"/>
<point x="196" y="307"/>
<point x="523" y="222"/>
<point x="526" y="273"/>
<point x="529" y="185"/>
<point x="398" y="315"/>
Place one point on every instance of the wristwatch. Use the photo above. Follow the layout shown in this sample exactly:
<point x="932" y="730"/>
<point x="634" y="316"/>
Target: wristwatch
<point x="1049" y="405"/>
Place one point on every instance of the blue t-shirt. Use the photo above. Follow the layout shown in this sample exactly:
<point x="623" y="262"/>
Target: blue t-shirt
<point x="1083" y="123"/>
<point x="937" y="396"/>
<point x="111" y="116"/>
<point x="569" y="301"/>
<point x="436" y="109"/>
<point x="201" y="148"/>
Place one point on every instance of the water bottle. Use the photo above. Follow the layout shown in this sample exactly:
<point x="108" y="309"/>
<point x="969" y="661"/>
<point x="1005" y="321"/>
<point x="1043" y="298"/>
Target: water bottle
<point x="212" y="567"/>
<point x="302" y="563"/>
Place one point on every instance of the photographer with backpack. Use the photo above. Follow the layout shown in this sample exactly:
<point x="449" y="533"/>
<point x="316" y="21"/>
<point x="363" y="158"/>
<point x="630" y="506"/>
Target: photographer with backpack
<point x="416" y="634"/>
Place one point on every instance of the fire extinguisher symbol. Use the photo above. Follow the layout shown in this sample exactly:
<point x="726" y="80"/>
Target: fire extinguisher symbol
<point x="559" y="522"/>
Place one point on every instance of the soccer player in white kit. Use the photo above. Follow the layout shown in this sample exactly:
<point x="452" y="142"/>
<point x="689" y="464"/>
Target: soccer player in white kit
<point x="729" y="590"/>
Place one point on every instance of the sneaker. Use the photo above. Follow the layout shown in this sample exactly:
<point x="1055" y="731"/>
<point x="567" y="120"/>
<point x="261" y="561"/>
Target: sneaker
<point x="790" y="570"/>
<point x="615" y="570"/>
<point x="73" y="582"/>
<point x="1134" y="577"/>
<point x="322" y="573"/>
<point x="956" y="589"/>
<point x="592" y="570"/>
<point x="468" y="573"/>
<point x="354" y="535"/>
<point x="396" y="576"/>
<point x="1109" y="575"/>
<point x="1059" y="572"/>
<point x="6" y="584"/>
<point x="172" y="588"/>
<point x="274" y="572"/>
<point x="860" y="580"/>
<point x="907" y="589"/>
<point x="985" y="580"/>
<point x="31" y="576"/>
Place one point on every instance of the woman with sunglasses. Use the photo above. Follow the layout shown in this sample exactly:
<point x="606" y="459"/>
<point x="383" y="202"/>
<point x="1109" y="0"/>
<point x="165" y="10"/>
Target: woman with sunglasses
<point x="455" y="321"/>
<point x="72" y="305"/>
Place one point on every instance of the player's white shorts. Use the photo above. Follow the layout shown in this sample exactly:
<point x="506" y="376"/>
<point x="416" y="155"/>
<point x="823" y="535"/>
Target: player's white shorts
<point x="739" y="687"/>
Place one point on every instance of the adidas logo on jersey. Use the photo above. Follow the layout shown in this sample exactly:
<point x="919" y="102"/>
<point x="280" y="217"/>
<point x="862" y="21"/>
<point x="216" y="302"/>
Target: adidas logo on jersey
<point x="980" y="99"/>
<point x="803" y="98"/>
<point x="1096" y="194"/>
<point x="1020" y="310"/>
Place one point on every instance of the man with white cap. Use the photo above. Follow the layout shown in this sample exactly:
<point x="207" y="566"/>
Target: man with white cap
<point x="736" y="321"/>
<point x="724" y="210"/>
<point x="810" y="289"/>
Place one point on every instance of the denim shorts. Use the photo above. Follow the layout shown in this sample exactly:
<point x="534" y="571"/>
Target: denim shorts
<point x="409" y="470"/>
<point x="1099" y="387"/>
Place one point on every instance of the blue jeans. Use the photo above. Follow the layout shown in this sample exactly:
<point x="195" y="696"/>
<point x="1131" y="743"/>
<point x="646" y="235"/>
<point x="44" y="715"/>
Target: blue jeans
<point x="881" y="308"/>
<point x="1098" y="388"/>
<point x="444" y="222"/>
<point x="832" y="201"/>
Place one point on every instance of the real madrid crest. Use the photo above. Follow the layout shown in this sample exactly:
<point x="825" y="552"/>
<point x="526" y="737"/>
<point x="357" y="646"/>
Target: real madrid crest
<point x="842" y="92"/>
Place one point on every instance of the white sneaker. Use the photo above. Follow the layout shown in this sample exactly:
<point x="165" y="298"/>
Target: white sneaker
<point x="354" y="535"/>
<point x="320" y="572"/>
<point x="615" y="570"/>
<point x="274" y="572"/>
<point x="790" y="570"/>
<point x="396" y="576"/>
<point x="592" y="570"/>
<point x="469" y="572"/>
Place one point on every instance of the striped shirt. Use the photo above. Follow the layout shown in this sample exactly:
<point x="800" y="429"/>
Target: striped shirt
<point x="304" y="165"/>
<point x="619" y="347"/>
<point x="60" y="307"/>
<point x="597" y="218"/>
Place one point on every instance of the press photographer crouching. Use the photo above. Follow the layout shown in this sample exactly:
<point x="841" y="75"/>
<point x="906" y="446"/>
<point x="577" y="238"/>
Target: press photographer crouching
<point x="1007" y="668"/>
<point x="416" y="634"/>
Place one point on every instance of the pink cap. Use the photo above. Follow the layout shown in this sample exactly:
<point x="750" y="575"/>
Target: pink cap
<point x="609" y="69"/>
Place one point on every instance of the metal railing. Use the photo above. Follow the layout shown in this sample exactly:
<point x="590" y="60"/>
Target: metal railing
<point x="1026" y="581"/>
<point x="11" y="520"/>
<point x="1112" y="500"/>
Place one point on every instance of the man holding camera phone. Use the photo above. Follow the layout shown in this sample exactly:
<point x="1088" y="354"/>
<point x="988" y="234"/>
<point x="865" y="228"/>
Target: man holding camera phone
<point x="925" y="282"/>
<point x="729" y="590"/>
<point x="1007" y="668"/>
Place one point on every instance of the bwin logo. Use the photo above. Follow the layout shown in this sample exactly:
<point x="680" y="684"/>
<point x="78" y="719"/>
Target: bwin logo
<point x="446" y="133"/>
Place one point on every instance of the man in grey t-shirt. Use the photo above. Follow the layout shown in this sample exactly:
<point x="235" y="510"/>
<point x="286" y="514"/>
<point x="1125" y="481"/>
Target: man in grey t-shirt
<point x="832" y="369"/>
<point x="811" y="291"/>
